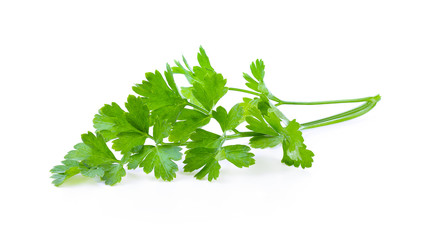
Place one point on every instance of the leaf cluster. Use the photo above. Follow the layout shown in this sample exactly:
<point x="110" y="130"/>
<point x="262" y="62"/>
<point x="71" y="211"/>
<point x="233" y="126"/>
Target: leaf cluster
<point x="157" y="123"/>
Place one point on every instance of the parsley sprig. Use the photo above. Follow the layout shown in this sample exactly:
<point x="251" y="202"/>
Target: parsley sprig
<point x="155" y="126"/>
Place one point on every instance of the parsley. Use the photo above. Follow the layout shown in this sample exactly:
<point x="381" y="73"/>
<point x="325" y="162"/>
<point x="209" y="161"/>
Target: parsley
<point x="155" y="126"/>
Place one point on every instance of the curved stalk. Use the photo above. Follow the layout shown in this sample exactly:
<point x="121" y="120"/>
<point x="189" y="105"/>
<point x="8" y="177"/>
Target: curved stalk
<point x="340" y="115"/>
<point x="354" y="113"/>
<point x="280" y="102"/>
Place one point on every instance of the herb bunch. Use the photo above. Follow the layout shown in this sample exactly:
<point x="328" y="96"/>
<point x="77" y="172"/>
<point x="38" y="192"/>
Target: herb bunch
<point x="174" y="118"/>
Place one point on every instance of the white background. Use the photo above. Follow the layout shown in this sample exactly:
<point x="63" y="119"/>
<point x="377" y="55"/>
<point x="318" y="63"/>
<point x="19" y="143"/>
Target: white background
<point x="60" y="61"/>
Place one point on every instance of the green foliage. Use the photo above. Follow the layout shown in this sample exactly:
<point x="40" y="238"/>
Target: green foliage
<point x="265" y="141"/>
<point x="188" y="121"/>
<point x="92" y="158"/>
<point x="203" y="138"/>
<point x="161" y="130"/>
<point x="228" y="121"/>
<point x="151" y="129"/>
<point x="160" y="159"/>
<point x="205" y="158"/>
<point x="264" y="118"/>
<point x="208" y="86"/>
<point x="239" y="155"/>
<point x="295" y="152"/>
<point x="164" y="100"/>
<point x="113" y="174"/>
<point x="60" y="173"/>
<point x="110" y="121"/>
<point x="206" y="150"/>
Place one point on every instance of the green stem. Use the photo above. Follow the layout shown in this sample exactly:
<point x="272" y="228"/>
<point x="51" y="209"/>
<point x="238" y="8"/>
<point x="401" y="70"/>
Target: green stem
<point x="197" y="107"/>
<point x="235" y="130"/>
<point x="280" y="102"/>
<point x="370" y="102"/>
<point x="340" y="115"/>
<point x="150" y="136"/>
<point x="244" y="91"/>
<point x="243" y="134"/>
<point x="348" y="115"/>
<point x="175" y="144"/>
<point x="226" y="137"/>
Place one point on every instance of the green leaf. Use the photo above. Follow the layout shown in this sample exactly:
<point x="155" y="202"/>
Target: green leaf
<point x="203" y="138"/>
<point x="251" y="83"/>
<point x="187" y="92"/>
<point x="274" y="121"/>
<point x="138" y="113"/>
<point x="209" y="87"/>
<point x="265" y="118"/>
<point x="161" y="130"/>
<point x="239" y="155"/>
<point x="170" y="79"/>
<point x="260" y="126"/>
<point x="234" y="117"/>
<point x="247" y="105"/>
<point x="295" y="152"/>
<point x="265" y="106"/>
<point x="59" y="169"/>
<point x="113" y="174"/>
<point x="187" y="65"/>
<point x="86" y="158"/>
<point x="156" y="92"/>
<point x="231" y="120"/>
<point x="251" y="108"/>
<point x="189" y="121"/>
<point x="205" y="158"/>
<point x="257" y="84"/>
<point x="258" y="69"/>
<point x="91" y="172"/>
<point x="221" y="116"/>
<point x="203" y="59"/>
<point x="110" y="120"/>
<point x="205" y="152"/>
<point x="262" y="116"/>
<point x="128" y="140"/>
<point x="136" y="159"/>
<point x="96" y="152"/>
<point x="168" y="113"/>
<point x="212" y="168"/>
<point x="64" y="172"/>
<point x="265" y="141"/>
<point x="81" y="152"/>
<point x="160" y="159"/>
<point x="127" y="157"/>
<point x="187" y="72"/>
<point x="59" y="179"/>
<point x="165" y="101"/>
